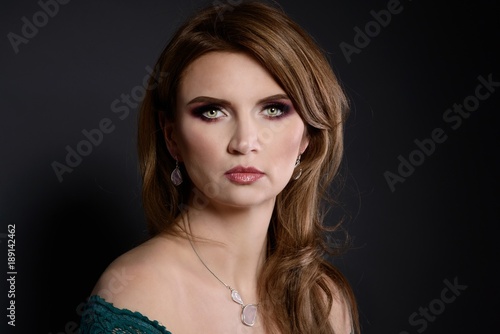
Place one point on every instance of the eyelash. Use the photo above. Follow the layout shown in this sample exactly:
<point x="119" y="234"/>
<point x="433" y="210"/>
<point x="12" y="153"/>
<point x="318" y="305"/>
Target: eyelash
<point x="200" y="111"/>
<point x="284" y="108"/>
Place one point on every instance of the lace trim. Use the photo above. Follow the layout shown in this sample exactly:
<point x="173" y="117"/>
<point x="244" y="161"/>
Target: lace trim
<point x="101" y="316"/>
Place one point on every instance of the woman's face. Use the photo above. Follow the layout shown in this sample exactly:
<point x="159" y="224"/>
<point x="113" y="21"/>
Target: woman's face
<point x="236" y="131"/>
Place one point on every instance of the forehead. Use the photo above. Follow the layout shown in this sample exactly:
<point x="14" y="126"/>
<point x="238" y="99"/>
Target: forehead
<point x="226" y="75"/>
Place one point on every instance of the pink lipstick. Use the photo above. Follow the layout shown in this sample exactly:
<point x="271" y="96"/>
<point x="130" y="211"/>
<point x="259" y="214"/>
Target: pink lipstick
<point x="243" y="175"/>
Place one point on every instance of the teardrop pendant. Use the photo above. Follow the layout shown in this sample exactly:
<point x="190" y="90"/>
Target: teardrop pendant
<point x="248" y="311"/>
<point x="249" y="314"/>
<point x="236" y="297"/>
<point x="176" y="177"/>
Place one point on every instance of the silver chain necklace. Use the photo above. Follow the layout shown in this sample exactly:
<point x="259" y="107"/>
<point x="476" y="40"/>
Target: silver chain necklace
<point x="248" y="311"/>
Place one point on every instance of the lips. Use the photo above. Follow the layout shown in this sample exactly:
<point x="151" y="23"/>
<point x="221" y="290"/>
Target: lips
<point x="243" y="175"/>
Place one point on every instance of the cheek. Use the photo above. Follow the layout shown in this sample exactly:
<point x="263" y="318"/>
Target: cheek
<point x="197" y="146"/>
<point x="286" y="147"/>
<point x="289" y="152"/>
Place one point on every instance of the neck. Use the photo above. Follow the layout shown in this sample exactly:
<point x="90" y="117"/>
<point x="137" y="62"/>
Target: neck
<point x="232" y="243"/>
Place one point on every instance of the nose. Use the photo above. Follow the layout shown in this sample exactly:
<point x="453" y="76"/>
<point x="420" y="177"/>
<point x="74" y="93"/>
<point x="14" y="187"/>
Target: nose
<point x="245" y="137"/>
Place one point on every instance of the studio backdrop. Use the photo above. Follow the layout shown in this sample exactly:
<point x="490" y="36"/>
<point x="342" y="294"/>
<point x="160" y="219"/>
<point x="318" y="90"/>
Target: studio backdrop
<point x="419" y="191"/>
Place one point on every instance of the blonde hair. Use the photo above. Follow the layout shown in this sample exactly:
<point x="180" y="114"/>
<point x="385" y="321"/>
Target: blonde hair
<point x="295" y="284"/>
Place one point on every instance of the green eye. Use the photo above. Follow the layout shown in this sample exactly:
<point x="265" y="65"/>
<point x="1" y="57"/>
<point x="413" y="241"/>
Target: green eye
<point x="274" y="111"/>
<point x="209" y="113"/>
<point x="212" y="113"/>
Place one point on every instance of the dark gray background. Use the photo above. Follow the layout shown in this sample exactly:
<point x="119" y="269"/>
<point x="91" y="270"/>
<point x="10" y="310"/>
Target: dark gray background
<point x="438" y="225"/>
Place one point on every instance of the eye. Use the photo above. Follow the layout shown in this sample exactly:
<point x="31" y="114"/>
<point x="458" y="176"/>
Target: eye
<point x="275" y="110"/>
<point x="212" y="113"/>
<point x="209" y="113"/>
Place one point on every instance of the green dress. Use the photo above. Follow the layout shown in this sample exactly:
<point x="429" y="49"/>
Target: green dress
<point x="100" y="316"/>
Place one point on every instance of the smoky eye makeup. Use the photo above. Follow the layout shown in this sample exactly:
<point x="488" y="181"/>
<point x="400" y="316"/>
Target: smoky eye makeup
<point x="211" y="109"/>
<point x="208" y="112"/>
<point x="276" y="109"/>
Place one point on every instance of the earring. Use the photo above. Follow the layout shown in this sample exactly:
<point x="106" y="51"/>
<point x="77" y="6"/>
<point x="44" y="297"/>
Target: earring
<point x="176" y="175"/>
<point x="297" y="162"/>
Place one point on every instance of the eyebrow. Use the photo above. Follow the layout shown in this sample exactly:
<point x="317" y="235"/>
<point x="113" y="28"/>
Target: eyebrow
<point x="207" y="99"/>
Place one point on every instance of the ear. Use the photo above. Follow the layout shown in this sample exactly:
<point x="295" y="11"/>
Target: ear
<point x="168" y="130"/>
<point x="304" y="143"/>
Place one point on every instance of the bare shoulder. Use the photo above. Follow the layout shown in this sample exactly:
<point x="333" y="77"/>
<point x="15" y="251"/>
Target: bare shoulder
<point x="340" y="313"/>
<point x="141" y="276"/>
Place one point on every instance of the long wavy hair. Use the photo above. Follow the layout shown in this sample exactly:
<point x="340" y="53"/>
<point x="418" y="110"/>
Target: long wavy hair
<point x="295" y="285"/>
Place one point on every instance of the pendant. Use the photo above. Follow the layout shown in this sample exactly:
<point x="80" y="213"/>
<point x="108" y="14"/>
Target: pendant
<point x="176" y="176"/>
<point x="248" y="311"/>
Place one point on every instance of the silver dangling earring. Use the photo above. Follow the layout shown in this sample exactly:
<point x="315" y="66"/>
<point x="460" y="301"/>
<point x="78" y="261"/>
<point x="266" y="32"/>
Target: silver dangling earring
<point x="176" y="175"/>
<point x="297" y="162"/>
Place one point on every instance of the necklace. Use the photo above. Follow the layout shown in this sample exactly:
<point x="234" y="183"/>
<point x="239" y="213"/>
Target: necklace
<point x="248" y="311"/>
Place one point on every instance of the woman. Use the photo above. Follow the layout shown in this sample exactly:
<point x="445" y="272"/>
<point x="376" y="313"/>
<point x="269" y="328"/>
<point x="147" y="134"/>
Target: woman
<point x="240" y="135"/>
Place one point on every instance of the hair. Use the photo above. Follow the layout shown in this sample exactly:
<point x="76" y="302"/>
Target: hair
<point x="297" y="284"/>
